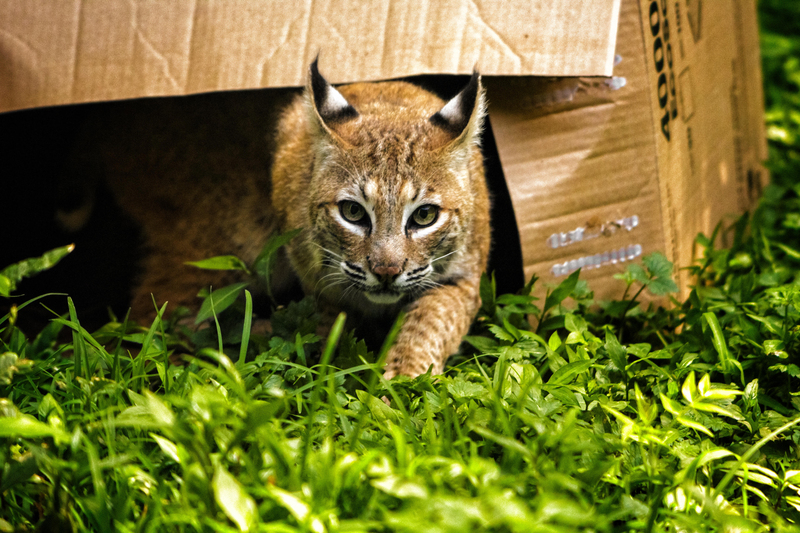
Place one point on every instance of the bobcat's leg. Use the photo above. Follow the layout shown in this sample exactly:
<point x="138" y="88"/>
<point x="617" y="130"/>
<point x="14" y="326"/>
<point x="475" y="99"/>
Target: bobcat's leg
<point x="166" y="278"/>
<point x="433" y="329"/>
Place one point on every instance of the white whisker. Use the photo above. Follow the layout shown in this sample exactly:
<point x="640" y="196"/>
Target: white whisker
<point x="351" y="289"/>
<point x="330" y="253"/>
<point x="445" y="255"/>
<point x="333" y="276"/>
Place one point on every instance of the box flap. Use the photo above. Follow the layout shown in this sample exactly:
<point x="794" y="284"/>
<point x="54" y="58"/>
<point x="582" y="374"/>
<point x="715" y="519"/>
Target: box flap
<point x="581" y="167"/>
<point x="65" y="51"/>
<point x="707" y="106"/>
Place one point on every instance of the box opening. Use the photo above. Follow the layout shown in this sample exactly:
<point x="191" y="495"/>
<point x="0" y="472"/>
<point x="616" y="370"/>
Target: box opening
<point x="62" y="199"/>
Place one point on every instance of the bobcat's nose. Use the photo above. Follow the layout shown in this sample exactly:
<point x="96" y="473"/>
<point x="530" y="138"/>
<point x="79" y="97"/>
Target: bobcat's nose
<point x="386" y="272"/>
<point x="386" y="269"/>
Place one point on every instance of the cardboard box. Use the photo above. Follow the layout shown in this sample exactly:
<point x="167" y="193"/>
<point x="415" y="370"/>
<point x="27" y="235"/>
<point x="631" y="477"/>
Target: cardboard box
<point x="623" y="126"/>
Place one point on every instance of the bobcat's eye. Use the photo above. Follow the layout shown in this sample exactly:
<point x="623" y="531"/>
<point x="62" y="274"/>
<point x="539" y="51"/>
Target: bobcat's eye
<point x="353" y="212"/>
<point x="424" y="216"/>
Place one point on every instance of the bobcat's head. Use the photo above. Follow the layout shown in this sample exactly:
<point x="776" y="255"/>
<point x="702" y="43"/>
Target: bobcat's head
<point x="392" y="196"/>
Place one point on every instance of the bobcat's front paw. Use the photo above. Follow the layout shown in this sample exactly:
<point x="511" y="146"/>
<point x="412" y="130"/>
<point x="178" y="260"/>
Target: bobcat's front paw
<point x="412" y="362"/>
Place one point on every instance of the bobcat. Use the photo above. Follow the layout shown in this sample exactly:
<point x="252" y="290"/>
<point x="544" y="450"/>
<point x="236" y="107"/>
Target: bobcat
<point x="385" y="181"/>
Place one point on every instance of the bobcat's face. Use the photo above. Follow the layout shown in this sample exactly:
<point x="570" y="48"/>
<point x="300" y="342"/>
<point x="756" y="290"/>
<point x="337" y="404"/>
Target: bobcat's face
<point x="386" y="183"/>
<point x="389" y="202"/>
<point x="389" y="231"/>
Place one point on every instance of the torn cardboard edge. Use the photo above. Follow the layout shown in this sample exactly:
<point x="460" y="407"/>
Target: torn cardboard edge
<point x="72" y="51"/>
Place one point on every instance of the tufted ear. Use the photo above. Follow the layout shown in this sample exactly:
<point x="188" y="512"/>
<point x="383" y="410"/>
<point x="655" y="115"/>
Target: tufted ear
<point x="463" y="115"/>
<point x="331" y="107"/>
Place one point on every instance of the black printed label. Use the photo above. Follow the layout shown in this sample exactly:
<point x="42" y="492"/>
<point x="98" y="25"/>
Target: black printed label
<point x="663" y="62"/>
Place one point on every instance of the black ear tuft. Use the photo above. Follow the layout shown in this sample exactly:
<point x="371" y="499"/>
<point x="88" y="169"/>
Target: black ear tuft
<point x="330" y="104"/>
<point x="456" y="114"/>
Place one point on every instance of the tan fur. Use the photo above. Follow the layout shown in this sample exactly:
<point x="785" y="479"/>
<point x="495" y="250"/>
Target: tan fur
<point x="199" y="186"/>
<point x="390" y="153"/>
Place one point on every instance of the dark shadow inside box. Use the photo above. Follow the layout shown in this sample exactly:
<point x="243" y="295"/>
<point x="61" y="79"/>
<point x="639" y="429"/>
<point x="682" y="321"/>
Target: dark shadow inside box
<point x="45" y="206"/>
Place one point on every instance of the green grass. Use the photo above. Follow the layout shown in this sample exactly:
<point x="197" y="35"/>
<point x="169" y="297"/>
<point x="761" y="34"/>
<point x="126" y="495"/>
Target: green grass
<point x="606" y="418"/>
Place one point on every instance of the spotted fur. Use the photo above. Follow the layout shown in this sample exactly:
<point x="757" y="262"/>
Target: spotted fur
<point x="363" y="169"/>
<point x="196" y="180"/>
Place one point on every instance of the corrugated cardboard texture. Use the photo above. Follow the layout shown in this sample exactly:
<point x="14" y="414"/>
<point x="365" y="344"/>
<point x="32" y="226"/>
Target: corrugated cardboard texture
<point x="598" y="176"/>
<point x="583" y="164"/>
<point x="65" y="51"/>
<point x="709" y="130"/>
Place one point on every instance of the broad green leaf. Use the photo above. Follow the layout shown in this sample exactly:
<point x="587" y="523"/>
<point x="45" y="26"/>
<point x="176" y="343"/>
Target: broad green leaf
<point x="501" y="333"/>
<point x="713" y="455"/>
<point x="512" y="329"/>
<point x="616" y="352"/>
<point x="48" y="404"/>
<point x="689" y="389"/>
<point x="658" y="265"/>
<point x="379" y="410"/>
<point x="764" y="471"/>
<point x="220" y="262"/>
<point x="569" y="513"/>
<point x="757" y="477"/>
<point x="646" y="409"/>
<point x="566" y="373"/>
<point x="775" y="348"/>
<point x="741" y="260"/>
<point x="167" y="446"/>
<point x="658" y="275"/>
<point x="671" y="405"/>
<point x="639" y="350"/>
<point x="718" y="339"/>
<point x="297" y="507"/>
<point x="137" y="416"/>
<point x="400" y="488"/>
<point x="26" y="427"/>
<point x="751" y="393"/>
<point x="482" y="344"/>
<point x="704" y="385"/>
<point x="5" y="286"/>
<point x="13" y="274"/>
<point x="575" y="323"/>
<point x="515" y="299"/>
<point x="554" y="342"/>
<point x="561" y="292"/>
<point x="772" y="323"/>
<point x="562" y="394"/>
<point x="638" y="273"/>
<point x="717" y="409"/>
<point x="622" y="418"/>
<point x="10" y="364"/>
<point x="159" y="409"/>
<point x="466" y="389"/>
<point x="233" y="499"/>
<point x="694" y="425"/>
<point x="721" y="394"/>
<point x="221" y="298"/>
<point x="662" y="286"/>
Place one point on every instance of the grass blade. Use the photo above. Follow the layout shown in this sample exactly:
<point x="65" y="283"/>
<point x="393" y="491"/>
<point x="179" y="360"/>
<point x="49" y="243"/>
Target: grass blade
<point x="247" y="326"/>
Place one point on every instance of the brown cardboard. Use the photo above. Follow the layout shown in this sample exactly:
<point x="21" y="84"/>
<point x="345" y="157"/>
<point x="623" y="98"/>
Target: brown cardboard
<point x="595" y="179"/>
<point x="65" y="51"/>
